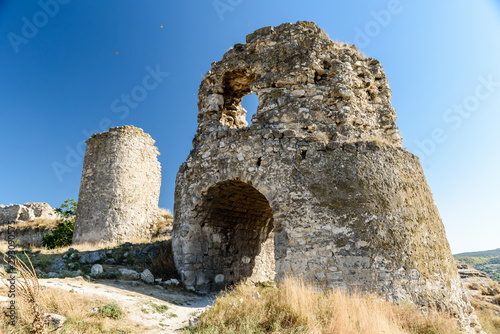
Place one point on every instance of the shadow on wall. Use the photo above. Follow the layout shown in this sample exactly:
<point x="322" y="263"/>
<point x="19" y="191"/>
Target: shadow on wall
<point x="236" y="240"/>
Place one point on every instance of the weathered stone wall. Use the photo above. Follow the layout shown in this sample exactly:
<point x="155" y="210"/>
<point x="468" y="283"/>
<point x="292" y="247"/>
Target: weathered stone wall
<point x="26" y="236"/>
<point x="120" y="187"/>
<point x="25" y="212"/>
<point x="317" y="186"/>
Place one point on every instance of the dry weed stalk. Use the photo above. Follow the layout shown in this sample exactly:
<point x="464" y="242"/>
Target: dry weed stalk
<point x="28" y="288"/>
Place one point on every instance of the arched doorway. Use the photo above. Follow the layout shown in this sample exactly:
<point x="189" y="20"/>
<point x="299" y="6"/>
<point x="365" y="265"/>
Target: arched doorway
<point x="236" y="224"/>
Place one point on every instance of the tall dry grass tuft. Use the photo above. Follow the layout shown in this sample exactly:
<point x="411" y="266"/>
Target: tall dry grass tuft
<point x="28" y="289"/>
<point x="296" y="307"/>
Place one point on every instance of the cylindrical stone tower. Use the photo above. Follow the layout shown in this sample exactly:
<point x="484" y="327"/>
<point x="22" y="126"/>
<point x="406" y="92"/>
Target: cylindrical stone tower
<point x="120" y="187"/>
<point x="318" y="186"/>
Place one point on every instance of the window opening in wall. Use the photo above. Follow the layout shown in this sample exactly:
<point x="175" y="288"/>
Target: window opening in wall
<point x="250" y="103"/>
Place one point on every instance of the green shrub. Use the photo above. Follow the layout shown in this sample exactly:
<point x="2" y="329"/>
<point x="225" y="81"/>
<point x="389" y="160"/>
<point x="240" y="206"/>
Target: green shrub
<point x="111" y="310"/>
<point x="159" y="308"/>
<point x="68" y="208"/>
<point x="61" y="236"/>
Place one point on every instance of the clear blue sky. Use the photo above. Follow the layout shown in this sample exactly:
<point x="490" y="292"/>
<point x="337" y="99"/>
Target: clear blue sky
<point x="61" y="80"/>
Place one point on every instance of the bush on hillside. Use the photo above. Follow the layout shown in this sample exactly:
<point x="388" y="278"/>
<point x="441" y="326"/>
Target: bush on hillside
<point x="62" y="234"/>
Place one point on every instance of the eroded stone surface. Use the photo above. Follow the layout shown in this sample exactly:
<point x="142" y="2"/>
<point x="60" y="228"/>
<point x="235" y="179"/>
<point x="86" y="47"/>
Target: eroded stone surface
<point x="318" y="186"/>
<point x="120" y="187"/>
<point x="25" y="212"/>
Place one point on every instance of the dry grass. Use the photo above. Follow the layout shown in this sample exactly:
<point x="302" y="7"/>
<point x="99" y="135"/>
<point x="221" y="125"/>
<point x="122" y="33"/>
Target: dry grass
<point x="83" y="247"/>
<point x="165" y="213"/>
<point x="488" y="314"/>
<point x="489" y="320"/>
<point x="295" y="307"/>
<point x="37" y="223"/>
<point x="32" y="301"/>
<point x="28" y="289"/>
<point x="164" y="221"/>
<point x="76" y="307"/>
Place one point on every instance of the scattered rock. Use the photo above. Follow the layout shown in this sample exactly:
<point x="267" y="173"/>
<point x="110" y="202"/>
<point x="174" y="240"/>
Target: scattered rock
<point x="96" y="270"/>
<point x="128" y="273"/>
<point x="76" y="273"/>
<point x="480" y="287"/>
<point x="58" y="264"/>
<point x="149" y="251"/>
<point x="111" y="260"/>
<point x="159" y="287"/>
<point x="92" y="257"/>
<point x="134" y="283"/>
<point x="55" y="320"/>
<point x="172" y="281"/>
<point x="147" y="277"/>
<point x="53" y="275"/>
<point x="470" y="272"/>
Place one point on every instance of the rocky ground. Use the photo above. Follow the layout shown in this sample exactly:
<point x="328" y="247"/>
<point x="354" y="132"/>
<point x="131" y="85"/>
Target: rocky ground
<point x="142" y="280"/>
<point x="484" y="291"/>
<point x="157" y="309"/>
<point x="140" y="277"/>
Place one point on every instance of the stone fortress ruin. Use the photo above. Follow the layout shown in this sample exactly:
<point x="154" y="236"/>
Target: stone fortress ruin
<point x="318" y="186"/>
<point x="120" y="187"/>
<point x="25" y="212"/>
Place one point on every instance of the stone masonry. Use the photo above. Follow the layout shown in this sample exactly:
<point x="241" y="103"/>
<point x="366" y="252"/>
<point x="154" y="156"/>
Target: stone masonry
<point x="25" y="212"/>
<point x="120" y="187"/>
<point x="318" y="186"/>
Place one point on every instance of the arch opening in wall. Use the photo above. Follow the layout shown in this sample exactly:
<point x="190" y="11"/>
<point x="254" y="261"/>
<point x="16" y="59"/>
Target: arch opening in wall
<point x="237" y="242"/>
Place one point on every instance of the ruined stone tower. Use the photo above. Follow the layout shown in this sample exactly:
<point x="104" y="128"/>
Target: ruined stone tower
<point x="318" y="185"/>
<point x="120" y="187"/>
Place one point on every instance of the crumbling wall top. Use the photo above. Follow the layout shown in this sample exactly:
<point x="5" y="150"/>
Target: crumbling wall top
<point x="305" y="83"/>
<point x="126" y="131"/>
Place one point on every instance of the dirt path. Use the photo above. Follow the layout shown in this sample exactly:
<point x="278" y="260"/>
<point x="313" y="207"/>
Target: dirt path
<point x="141" y="302"/>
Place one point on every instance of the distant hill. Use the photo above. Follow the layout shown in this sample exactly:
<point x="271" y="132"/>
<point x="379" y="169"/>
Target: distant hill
<point x="488" y="253"/>
<point x="487" y="261"/>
